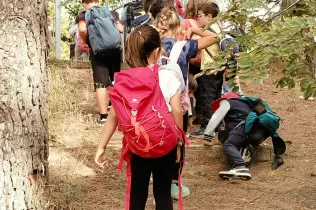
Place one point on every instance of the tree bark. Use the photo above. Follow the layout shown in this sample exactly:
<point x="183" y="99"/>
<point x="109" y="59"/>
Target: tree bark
<point x="310" y="54"/>
<point x="23" y="103"/>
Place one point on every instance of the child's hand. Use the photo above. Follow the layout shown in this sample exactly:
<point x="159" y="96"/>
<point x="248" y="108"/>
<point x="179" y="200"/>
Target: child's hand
<point x="100" y="158"/>
<point x="189" y="33"/>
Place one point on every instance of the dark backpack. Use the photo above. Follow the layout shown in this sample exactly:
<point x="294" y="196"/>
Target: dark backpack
<point x="261" y="114"/>
<point x="104" y="36"/>
<point x="131" y="11"/>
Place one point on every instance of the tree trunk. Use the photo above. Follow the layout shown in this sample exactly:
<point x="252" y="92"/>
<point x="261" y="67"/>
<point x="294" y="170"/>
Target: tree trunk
<point x="310" y="53"/>
<point x="23" y="103"/>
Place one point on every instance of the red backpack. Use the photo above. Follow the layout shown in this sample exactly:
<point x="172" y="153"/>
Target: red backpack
<point x="148" y="126"/>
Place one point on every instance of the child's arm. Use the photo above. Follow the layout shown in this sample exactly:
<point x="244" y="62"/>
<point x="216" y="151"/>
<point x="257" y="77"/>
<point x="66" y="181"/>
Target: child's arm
<point x="83" y="31"/>
<point x="107" y="132"/>
<point x="208" y="38"/>
<point x="217" y="117"/>
<point x="176" y="109"/>
<point x="119" y="26"/>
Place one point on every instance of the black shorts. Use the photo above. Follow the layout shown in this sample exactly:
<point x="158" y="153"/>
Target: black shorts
<point x="104" y="68"/>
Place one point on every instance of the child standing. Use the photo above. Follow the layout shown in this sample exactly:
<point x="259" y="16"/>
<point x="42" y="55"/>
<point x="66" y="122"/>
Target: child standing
<point x="103" y="67"/>
<point x="210" y="85"/>
<point x="142" y="52"/>
<point x="168" y="25"/>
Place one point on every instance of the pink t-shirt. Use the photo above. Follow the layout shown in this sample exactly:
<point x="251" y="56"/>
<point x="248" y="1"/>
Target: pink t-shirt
<point x="186" y="25"/>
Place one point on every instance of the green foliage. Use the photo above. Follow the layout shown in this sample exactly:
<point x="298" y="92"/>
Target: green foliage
<point x="270" y="38"/>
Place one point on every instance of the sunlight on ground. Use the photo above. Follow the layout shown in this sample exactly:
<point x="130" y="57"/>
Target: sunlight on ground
<point x="66" y="164"/>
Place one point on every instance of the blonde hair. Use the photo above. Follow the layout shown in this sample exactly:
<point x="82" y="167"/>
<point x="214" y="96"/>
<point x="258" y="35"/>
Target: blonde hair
<point x="167" y="20"/>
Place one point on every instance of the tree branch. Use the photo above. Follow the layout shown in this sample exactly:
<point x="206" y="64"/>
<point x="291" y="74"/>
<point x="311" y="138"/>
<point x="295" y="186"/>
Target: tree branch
<point x="280" y="13"/>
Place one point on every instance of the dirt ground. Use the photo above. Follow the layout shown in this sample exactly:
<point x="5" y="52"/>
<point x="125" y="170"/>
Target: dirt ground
<point x="76" y="182"/>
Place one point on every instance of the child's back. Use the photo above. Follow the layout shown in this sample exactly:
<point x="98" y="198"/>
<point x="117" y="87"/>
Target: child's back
<point x="148" y="115"/>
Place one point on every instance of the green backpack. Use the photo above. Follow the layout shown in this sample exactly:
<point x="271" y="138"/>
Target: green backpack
<point x="261" y="113"/>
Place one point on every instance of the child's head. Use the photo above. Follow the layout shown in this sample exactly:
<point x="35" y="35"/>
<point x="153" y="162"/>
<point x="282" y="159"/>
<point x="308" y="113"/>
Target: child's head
<point x="191" y="9"/>
<point x="87" y="4"/>
<point x="206" y="12"/>
<point x="147" y="5"/>
<point x="192" y="83"/>
<point x="158" y="5"/>
<point x="142" y="47"/>
<point x="168" y="22"/>
<point x="116" y="15"/>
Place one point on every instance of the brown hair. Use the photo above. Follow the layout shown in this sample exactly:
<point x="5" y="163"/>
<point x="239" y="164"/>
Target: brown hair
<point x="167" y="20"/>
<point x="209" y="8"/>
<point x="89" y="1"/>
<point x="147" y="4"/>
<point x="116" y="15"/>
<point x="191" y="9"/>
<point x="140" y="44"/>
<point x="193" y="85"/>
<point x="158" y="5"/>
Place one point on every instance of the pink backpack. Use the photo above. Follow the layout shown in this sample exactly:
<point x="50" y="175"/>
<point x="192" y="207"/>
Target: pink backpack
<point x="82" y="47"/>
<point x="148" y="126"/>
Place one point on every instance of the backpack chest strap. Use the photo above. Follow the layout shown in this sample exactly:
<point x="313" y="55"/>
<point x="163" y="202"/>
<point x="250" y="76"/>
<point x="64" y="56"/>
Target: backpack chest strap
<point x="140" y="130"/>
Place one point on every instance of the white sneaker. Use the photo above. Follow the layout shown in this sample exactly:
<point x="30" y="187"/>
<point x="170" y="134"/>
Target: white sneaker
<point x="240" y="172"/>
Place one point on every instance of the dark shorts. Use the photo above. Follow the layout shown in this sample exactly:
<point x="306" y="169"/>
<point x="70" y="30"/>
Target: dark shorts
<point x="104" y="68"/>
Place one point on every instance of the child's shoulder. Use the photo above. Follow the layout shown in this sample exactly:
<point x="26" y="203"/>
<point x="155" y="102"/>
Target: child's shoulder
<point x="191" y="45"/>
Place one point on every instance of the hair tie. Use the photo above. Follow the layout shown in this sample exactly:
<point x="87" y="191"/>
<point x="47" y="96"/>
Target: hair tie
<point x="140" y="33"/>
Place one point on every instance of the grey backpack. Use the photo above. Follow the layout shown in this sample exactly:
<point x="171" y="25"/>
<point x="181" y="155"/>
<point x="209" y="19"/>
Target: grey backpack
<point x="104" y="36"/>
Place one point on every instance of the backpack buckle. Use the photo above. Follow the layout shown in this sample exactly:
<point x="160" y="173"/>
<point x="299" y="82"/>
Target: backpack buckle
<point x="134" y="112"/>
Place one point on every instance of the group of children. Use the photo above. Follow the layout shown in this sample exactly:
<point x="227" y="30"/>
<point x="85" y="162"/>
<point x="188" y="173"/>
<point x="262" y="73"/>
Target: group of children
<point x="154" y="139"/>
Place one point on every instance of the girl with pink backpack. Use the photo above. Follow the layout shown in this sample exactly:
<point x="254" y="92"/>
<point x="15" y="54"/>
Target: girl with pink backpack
<point x="146" y="107"/>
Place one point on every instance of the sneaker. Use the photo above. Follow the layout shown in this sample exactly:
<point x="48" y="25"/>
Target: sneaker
<point x="198" y="133"/>
<point x="246" y="154"/>
<point x="207" y="137"/>
<point x="187" y="134"/>
<point x="102" y="120"/>
<point x="240" y="172"/>
<point x="109" y="105"/>
<point x="175" y="191"/>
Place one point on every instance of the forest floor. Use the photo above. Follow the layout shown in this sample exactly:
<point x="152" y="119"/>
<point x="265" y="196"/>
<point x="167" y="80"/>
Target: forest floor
<point x="77" y="183"/>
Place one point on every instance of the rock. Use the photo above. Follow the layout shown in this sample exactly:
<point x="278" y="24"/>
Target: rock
<point x="310" y="98"/>
<point x="313" y="174"/>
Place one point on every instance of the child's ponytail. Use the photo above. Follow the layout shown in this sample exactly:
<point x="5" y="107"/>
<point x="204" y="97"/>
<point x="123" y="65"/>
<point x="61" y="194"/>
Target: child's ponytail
<point x="140" y="44"/>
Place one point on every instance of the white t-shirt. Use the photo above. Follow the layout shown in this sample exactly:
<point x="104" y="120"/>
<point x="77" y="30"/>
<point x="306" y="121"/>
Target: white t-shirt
<point x="169" y="85"/>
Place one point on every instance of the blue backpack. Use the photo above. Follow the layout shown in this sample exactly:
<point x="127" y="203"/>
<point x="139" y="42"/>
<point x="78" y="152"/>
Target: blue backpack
<point x="228" y="42"/>
<point x="104" y="36"/>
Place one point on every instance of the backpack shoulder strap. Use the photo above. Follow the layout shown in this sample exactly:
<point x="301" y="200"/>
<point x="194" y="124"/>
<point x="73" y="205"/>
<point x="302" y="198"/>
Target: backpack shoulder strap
<point x="176" y="51"/>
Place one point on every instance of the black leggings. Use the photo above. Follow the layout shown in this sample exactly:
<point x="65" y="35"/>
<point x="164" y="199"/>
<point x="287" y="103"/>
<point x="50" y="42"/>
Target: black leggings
<point x="161" y="169"/>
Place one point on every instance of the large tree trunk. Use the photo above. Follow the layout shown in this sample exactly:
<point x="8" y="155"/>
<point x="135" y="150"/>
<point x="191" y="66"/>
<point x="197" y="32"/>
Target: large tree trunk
<point x="23" y="103"/>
